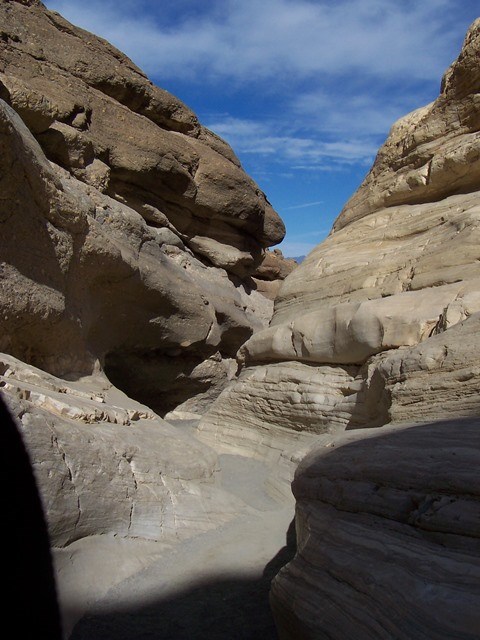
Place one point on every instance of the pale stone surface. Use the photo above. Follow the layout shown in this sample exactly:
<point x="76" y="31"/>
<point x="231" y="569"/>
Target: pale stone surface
<point x="387" y="537"/>
<point x="379" y="326"/>
<point x="108" y="465"/>
<point x="351" y="332"/>
<point x="139" y="261"/>
<point x="433" y="152"/>
<point x="390" y="277"/>
<point x="400" y="249"/>
<point x="438" y="378"/>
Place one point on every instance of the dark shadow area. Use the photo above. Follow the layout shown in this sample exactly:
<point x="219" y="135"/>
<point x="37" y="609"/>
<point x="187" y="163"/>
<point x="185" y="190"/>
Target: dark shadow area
<point x="223" y="609"/>
<point x="29" y="599"/>
<point x="160" y="380"/>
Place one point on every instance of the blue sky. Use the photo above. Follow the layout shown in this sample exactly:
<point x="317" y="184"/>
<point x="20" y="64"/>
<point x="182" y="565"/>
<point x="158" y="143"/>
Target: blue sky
<point x="305" y="91"/>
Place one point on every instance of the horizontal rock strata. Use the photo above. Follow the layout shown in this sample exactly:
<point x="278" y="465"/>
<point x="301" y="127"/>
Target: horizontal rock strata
<point x="399" y="274"/>
<point x="378" y="326"/>
<point x="387" y="537"/>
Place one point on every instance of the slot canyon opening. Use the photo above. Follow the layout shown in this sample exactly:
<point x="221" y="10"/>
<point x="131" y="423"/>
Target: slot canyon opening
<point x="165" y="379"/>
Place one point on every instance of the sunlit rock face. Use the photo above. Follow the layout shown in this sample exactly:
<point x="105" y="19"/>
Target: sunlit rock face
<point x="397" y="274"/>
<point x="379" y="326"/>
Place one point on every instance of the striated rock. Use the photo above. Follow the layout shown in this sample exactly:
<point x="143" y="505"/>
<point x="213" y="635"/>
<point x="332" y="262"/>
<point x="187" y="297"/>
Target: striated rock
<point x="74" y="91"/>
<point x="109" y="464"/>
<point x="139" y="262"/>
<point x="378" y="327"/>
<point x="387" y="537"/>
<point x="438" y="378"/>
<point x="125" y="263"/>
<point x="433" y="152"/>
<point x="130" y="238"/>
<point x="400" y="267"/>
<point x="101" y="262"/>
<point x="159" y="225"/>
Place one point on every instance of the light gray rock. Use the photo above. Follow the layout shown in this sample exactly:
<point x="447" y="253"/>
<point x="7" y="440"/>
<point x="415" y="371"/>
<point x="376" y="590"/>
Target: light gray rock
<point x="108" y="465"/>
<point x="387" y="537"/>
<point x="378" y="327"/>
<point x="399" y="268"/>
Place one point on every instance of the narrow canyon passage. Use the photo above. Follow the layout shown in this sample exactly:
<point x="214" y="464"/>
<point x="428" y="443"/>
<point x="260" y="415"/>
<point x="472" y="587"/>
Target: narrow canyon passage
<point x="214" y="585"/>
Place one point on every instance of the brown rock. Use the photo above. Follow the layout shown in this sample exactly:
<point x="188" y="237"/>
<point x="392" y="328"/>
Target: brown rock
<point x="73" y="89"/>
<point x="79" y="261"/>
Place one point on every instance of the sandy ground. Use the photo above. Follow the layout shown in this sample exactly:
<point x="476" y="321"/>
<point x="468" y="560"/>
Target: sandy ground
<point x="213" y="586"/>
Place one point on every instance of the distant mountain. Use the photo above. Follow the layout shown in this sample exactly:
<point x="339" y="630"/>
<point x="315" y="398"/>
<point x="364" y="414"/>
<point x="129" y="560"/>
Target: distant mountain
<point x="299" y="259"/>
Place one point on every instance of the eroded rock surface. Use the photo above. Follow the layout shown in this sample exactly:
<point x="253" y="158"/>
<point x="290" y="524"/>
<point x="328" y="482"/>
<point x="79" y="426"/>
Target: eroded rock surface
<point x="109" y="465"/>
<point x="393" y="274"/>
<point x="378" y="326"/>
<point x="387" y="537"/>
<point x="130" y="249"/>
<point x="130" y="231"/>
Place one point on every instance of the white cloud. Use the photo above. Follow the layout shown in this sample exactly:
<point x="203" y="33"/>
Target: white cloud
<point x="259" y="138"/>
<point x="248" y="41"/>
<point x="354" y="110"/>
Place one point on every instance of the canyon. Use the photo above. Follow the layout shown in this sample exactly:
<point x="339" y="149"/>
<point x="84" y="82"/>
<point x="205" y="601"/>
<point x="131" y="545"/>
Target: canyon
<point x="210" y="424"/>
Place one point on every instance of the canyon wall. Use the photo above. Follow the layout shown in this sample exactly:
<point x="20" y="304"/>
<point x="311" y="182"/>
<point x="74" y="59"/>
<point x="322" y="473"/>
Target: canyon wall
<point x="371" y="359"/>
<point x="377" y="324"/>
<point x="136" y="279"/>
<point x="134" y="264"/>
<point x="120" y="205"/>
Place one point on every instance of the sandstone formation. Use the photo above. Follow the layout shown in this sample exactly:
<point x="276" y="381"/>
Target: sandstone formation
<point x="379" y="326"/>
<point x="386" y="288"/>
<point x="132" y="244"/>
<point x="137" y="285"/>
<point x="387" y="537"/>
<point x="119" y="204"/>
<point x="108" y="464"/>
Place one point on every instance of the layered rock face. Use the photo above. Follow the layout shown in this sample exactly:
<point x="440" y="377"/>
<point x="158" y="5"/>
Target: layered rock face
<point x="379" y="326"/>
<point x="399" y="271"/>
<point x="131" y="230"/>
<point x="132" y="244"/>
<point x="387" y="527"/>
<point x="108" y="465"/>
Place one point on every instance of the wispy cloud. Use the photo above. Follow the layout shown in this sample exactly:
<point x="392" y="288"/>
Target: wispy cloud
<point x="305" y="205"/>
<point x="261" y="138"/>
<point x="251" y="41"/>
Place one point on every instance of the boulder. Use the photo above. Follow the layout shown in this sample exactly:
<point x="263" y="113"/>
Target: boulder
<point x="388" y="529"/>
<point x="75" y="91"/>
<point x="128" y="253"/>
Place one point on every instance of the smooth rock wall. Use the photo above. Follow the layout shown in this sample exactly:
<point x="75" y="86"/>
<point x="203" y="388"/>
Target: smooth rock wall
<point x="387" y="537"/>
